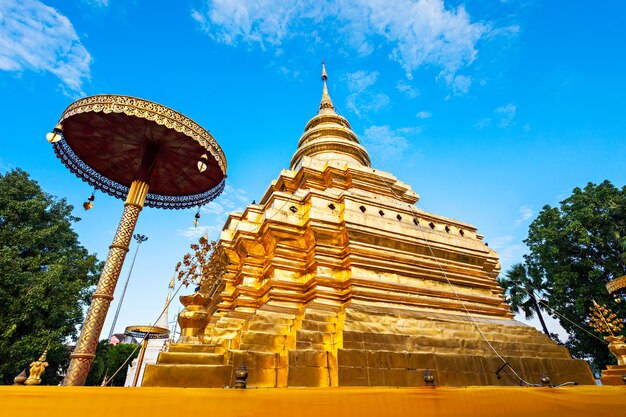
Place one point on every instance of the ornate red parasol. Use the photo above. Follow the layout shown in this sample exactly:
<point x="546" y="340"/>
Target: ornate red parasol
<point x="141" y="151"/>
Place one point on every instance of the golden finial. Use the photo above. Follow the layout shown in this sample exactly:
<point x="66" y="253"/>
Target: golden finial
<point x="172" y="282"/>
<point x="36" y="369"/>
<point x="326" y="101"/>
<point x="603" y="320"/>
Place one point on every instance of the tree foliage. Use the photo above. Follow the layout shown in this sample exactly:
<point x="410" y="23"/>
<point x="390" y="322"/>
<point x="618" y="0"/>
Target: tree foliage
<point x="109" y="358"/>
<point x="45" y="277"/>
<point x="575" y="251"/>
<point x="523" y="293"/>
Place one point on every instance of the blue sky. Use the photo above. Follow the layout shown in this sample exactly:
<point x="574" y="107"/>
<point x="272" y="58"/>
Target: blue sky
<point x="488" y="109"/>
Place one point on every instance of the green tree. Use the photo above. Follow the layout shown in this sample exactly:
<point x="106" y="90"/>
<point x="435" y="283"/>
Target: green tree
<point x="618" y="214"/>
<point x="522" y="291"/>
<point x="574" y="250"/>
<point x="46" y="277"/>
<point x="108" y="360"/>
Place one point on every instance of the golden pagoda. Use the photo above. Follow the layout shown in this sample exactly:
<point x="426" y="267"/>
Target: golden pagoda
<point x="335" y="278"/>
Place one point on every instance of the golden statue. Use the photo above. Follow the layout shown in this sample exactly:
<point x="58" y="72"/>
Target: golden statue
<point x="36" y="370"/>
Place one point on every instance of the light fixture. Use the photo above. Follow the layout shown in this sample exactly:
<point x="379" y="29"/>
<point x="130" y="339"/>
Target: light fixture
<point x="202" y="163"/>
<point x="55" y="135"/>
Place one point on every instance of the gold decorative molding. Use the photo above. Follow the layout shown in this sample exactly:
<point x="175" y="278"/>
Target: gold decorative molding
<point x="616" y="284"/>
<point x="133" y="106"/>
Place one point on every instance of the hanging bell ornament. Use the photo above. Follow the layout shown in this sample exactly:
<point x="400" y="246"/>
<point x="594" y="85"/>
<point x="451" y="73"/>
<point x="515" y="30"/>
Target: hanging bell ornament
<point x="202" y="163"/>
<point x="55" y="135"/>
<point x="87" y="205"/>
<point x="196" y="220"/>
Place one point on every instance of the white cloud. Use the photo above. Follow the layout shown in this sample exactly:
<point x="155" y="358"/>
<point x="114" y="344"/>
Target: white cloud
<point x="525" y="213"/>
<point x="36" y="37"/>
<point x="99" y="3"/>
<point x="214" y="214"/>
<point x="482" y="123"/>
<point x="509" y="253"/>
<point x="195" y="233"/>
<point x="387" y="143"/>
<point x="362" y="99"/>
<point x="501" y="241"/>
<point x="407" y="89"/>
<point x="506" y="114"/>
<point x="424" y="115"/>
<point x="459" y="84"/>
<point x="359" y="81"/>
<point x="367" y="102"/>
<point x="417" y="32"/>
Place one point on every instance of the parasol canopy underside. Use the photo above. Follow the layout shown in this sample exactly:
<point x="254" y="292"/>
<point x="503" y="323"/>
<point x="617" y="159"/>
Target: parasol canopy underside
<point x="105" y="138"/>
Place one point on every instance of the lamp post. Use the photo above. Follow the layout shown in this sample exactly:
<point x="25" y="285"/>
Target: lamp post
<point x="140" y="239"/>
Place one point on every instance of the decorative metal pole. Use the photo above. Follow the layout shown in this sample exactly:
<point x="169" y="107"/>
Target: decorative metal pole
<point x="85" y="350"/>
<point x="140" y="239"/>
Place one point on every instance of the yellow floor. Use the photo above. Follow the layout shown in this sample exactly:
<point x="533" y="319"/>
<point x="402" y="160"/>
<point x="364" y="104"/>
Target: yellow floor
<point x="318" y="402"/>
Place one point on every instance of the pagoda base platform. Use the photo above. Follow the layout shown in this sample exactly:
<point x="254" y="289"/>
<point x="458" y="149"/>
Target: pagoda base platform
<point x="360" y="346"/>
<point x="363" y="402"/>
<point x="614" y="375"/>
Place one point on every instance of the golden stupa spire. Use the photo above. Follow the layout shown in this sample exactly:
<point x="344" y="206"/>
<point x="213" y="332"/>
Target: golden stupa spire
<point x="326" y="102"/>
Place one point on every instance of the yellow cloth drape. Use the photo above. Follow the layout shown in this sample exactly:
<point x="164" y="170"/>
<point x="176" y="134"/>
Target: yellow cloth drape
<point x="318" y="402"/>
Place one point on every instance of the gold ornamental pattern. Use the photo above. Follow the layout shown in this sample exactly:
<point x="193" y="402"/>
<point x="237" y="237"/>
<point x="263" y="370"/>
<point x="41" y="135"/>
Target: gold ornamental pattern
<point x="86" y="346"/>
<point x="149" y="111"/>
<point x="616" y="285"/>
<point x="144" y="109"/>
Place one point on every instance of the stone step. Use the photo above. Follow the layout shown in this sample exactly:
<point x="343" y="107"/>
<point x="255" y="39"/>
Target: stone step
<point x="462" y="330"/>
<point x="182" y="347"/>
<point x="308" y="357"/>
<point x="416" y="325"/>
<point x="191" y="358"/>
<point x="301" y="344"/>
<point x="223" y="333"/>
<point x="187" y="376"/>
<point x="319" y="316"/>
<point x="312" y="336"/>
<point x="229" y="323"/>
<point x="449" y="340"/>
<point x="262" y="316"/>
<point x="276" y="328"/>
<point x="264" y="339"/>
<point x="318" y="326"/>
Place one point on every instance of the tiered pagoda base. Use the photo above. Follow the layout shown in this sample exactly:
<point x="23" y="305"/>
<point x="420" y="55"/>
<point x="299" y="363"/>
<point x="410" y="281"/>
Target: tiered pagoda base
<point x="362" y="346"/>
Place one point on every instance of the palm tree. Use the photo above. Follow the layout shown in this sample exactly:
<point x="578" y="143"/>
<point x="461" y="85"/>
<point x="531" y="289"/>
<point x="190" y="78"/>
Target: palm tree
<point x="522" y="292"/>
